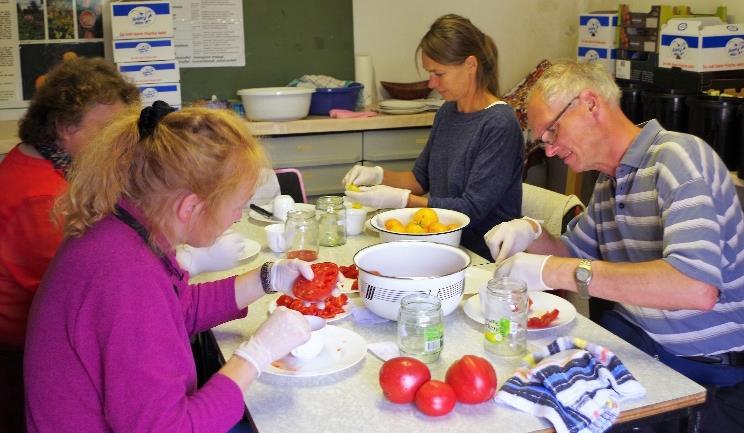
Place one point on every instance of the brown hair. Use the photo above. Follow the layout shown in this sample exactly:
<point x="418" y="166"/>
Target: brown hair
<point x="196" y="150"/>
<point x="70" y="90"/>
<point x="452" y="38"/>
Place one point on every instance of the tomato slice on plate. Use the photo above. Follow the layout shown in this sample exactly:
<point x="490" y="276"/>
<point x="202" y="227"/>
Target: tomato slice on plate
<point x="351" y="272"/>
<point x="543" y="321"/>
<point x="320" y="287"/>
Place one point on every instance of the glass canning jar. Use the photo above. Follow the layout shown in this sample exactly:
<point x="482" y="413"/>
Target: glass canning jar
<point x="331" y="220"/>
<point x="420" y="327"/>
<point x="301" y="234"/>
<point x="506" y="306"/>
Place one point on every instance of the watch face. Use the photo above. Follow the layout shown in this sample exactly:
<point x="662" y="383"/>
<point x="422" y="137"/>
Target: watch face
<point x="582" y="274"/>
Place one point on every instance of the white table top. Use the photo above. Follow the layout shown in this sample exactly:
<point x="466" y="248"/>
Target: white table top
<point x="351" y="400"/>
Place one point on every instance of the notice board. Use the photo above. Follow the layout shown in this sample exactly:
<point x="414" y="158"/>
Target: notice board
<point x="284" y="39"/>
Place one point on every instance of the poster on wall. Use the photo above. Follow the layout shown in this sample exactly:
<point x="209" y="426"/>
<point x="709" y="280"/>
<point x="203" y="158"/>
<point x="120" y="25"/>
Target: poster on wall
<point x="35" y="35"/>
<point x="209" y="33"/>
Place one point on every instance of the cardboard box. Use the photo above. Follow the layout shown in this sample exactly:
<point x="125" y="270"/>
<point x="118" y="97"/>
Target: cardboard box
<point x="167" y="92"/>
<point x="702" y="45"/>
<point x="143" y="50"/>
<point x="606" y="56"/>
<point x="141" y="19"/>
<point x="598" y="30"/>
<point x="150" y="72"/>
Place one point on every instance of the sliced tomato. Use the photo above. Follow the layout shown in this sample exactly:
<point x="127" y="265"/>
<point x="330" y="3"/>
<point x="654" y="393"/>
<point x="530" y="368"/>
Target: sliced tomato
<point x="350" y="271"/>
<point x="284" y="301"/>
<point x="543" y="321"/>
<point x="355" y="285"/>
<point x="317" y="289"/>
<point x="334" y="305"/>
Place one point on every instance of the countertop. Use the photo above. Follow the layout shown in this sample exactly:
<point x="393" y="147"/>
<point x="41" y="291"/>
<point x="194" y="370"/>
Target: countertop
<point x="323" y="124"/>
<point x="351" y="400"/>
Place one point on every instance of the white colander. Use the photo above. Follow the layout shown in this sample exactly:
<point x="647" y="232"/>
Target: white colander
<point x="406" y="267"/>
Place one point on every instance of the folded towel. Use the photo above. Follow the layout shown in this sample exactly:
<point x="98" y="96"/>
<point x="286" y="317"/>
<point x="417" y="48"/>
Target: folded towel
<point x="576" y="385"/>
<point x="313" y="81"/>
<point x="338" y="113"/>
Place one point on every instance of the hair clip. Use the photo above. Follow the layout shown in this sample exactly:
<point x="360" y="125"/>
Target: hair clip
<point x="150" y="116"/>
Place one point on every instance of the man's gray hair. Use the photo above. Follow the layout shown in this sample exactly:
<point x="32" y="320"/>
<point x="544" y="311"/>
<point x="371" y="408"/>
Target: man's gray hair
<point x="567" y="78"/>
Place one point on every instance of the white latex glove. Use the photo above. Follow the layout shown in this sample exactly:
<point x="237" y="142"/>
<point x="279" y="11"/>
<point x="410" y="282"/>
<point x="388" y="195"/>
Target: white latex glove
<point x="507" y="238"/>
<point x="361" y="175"/>
<point x="380" y="196"/>
<point x="284" y="330"/>
<point x="284" y="272"/>
<point x="526" y="267"/>
<point x="225" y="253"/>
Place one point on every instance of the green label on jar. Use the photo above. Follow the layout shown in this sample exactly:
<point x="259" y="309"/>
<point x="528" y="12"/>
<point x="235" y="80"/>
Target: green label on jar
<point x="433" y="337"/>
<point x="497" y="330"/>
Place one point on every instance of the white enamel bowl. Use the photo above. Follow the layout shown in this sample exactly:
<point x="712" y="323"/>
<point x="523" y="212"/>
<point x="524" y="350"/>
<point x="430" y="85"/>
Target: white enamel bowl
<point x="276" y="103"/>
<point x="406" y="267"/>
<point x="446" y="216"/>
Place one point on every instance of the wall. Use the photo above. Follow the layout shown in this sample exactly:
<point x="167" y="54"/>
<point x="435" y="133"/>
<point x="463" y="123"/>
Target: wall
<point x="525" y="32"/>
<point x="735" y="8"/>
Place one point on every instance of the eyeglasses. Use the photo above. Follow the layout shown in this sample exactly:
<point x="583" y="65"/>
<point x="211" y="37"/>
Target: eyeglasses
<point x="552" y="129"/>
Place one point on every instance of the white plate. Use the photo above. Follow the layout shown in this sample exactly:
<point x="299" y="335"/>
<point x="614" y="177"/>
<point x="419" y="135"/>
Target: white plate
<point x="402" y="111"/>
<point x="343" y="349"/>
<point x="251" y="249"/>
<point x="347" y="310"/>
<point x="368" y="225"/>
<point x="541" y="303"/>
<point x="475" y="277"/>
<point x="269" y="207"/>
<point x="401" y="104"/>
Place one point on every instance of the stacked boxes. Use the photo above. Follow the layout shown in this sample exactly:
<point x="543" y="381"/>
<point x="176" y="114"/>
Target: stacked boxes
<point x="144" y="50"/>
<point x="598" y="38"/>
<point x="702" y="44"/>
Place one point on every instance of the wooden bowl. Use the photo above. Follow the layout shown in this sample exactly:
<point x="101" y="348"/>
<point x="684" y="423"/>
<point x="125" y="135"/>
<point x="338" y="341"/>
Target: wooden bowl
<point x="417" y="90"/>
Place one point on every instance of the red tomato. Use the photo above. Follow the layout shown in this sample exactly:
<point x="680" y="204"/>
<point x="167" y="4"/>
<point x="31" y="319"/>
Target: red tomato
<point x="543" y="321"/>
<point x="401" y="377"/>
<point x="350" y="271"/>
<point x="435" y="398"/>
<point x="472" y="378"/>
<point x="320" y="287"/>
<point x="284" y="301"/>
<point x="355" y="285"/>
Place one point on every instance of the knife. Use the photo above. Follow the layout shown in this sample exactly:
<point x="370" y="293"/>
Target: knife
<point x="264" y="212"/>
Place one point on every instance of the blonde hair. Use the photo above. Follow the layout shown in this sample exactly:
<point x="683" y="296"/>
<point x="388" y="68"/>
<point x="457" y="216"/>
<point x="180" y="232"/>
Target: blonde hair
<point x="567" y="78"/>
<point x="451" y="39"/>
<point x="199" y="150"/>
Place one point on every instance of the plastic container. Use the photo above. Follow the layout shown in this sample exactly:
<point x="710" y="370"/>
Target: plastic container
<point x="325" y="99"/>
<point x="631" y="101"/>
<point x="420" y="327"/>
<point x="715" y="119"/>
<point x="668" y="107"/>
<point x="276" y="103"/>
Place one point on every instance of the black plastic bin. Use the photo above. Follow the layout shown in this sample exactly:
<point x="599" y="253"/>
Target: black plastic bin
<point x="740" y="172"/>
<point x="668" y="107"/>
<point x="716" y="120"/>
<point x="631" y="101"/>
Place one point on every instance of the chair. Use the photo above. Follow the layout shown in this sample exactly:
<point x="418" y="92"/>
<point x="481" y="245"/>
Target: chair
<point x="290" y="183"/>
<point x="553" y="209"/>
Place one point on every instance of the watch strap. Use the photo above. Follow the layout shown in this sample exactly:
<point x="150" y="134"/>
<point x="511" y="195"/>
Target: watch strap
<point x="266" y="278"/>
<point x="583" y="286"/>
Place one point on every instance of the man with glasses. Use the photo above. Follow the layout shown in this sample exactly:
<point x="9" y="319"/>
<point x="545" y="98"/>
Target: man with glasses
<point x="663" y="236"/>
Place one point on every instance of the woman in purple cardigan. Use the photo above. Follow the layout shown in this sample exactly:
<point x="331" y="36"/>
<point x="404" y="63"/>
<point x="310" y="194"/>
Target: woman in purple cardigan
<point x="108" y="337"/>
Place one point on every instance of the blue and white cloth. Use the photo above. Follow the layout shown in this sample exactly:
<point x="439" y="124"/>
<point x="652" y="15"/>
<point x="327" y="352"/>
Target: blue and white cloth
<point x="576" y="385"/>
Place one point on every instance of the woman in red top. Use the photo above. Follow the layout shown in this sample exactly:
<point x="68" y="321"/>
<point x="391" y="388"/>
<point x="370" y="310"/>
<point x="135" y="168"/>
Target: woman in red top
<point x="77" y="99"/>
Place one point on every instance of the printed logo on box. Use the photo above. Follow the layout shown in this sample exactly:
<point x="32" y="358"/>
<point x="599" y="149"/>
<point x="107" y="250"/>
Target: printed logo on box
<point x="591" y="56"/>
<point x="144" y="48"/>
<point x="147" y="71"/>
<point x="592" y="26"/>
<point x="735" y="47"/>
<point x="149" y="92"/>
<point x="679" y="48"/>
<point x="141" y="16"/>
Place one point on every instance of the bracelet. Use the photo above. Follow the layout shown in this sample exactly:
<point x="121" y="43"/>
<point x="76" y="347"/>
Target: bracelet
<point x="266" y="278"/>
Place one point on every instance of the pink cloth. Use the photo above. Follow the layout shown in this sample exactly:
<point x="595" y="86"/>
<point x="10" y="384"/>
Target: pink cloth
<point x="337" y="113"/>
<point x="108" y="341"/>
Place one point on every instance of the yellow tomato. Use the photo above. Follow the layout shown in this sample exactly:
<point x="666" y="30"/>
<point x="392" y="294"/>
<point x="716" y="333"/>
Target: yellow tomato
<point x="352" y="187"/>
<point x="412" y="227"/>
<point x="436" y="227"/>
<point x="425" y="217"/>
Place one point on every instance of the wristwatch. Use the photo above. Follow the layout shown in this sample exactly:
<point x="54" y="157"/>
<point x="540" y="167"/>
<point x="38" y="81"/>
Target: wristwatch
<point x="583" y="276"/>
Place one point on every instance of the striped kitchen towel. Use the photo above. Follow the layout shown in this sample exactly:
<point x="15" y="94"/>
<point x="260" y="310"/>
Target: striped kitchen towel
<point x="575" y="384"/>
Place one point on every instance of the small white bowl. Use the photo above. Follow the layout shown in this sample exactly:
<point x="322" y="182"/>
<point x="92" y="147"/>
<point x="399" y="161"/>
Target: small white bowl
<point x="446" y="216"/>
<point x="276" y="103"/>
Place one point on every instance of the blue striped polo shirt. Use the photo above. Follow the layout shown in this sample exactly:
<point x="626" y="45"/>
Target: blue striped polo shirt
<point x="672" y="199"/>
